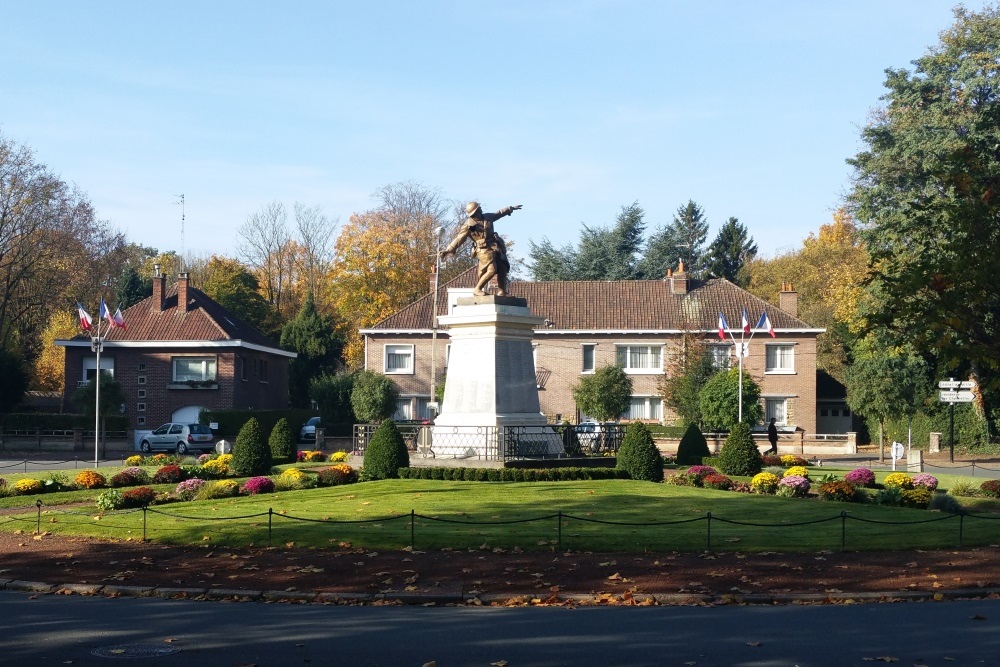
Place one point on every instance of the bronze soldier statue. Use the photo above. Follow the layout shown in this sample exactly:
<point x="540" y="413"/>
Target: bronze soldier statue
<point x="487" y="246"/>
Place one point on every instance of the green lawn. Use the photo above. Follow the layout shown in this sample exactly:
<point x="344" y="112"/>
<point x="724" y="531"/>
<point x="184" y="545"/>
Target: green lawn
<point x="502" y="515"/>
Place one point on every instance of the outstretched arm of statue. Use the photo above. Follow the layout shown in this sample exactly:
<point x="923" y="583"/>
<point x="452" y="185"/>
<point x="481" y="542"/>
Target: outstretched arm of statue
<point x="508" y="210"/>
<point x="456" y="242"/>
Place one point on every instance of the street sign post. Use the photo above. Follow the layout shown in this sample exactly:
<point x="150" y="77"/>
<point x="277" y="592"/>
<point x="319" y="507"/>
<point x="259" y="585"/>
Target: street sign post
<point x="955" y="391"/>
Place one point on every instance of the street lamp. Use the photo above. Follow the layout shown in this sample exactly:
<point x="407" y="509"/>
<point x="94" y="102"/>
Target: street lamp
<point x="434" y="301"/>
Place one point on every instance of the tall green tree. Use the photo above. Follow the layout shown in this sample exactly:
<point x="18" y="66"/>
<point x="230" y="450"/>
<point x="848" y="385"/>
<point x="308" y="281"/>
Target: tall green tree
<point x="730" y="251"/>
<point x="236" y="289"/>
<point x="605" y="395"/>
<point x="719" y="401"/>
<point x="373" y="397"/>
<point x="886" y="383"/>
<point x="332" y="394"/>
<point x="546" y="262"/>
<point x="132" y="288"/>
<point x="686" y="376"/>
<point x="927" y="188"/>
<point x="612" y="253"/>
<point x="313" y="336"/>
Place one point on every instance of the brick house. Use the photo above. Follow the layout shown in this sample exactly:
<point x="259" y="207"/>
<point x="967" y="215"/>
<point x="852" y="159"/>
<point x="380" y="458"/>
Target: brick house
<point x="637" y="324"/>
<point x="181" y="352"/>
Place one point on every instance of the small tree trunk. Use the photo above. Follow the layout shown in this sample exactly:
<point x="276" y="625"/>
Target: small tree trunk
<point x="881" y="443"/>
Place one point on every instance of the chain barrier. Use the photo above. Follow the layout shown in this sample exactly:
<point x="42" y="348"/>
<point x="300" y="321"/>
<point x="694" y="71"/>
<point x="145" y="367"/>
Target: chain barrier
<point x="560" y="516"/>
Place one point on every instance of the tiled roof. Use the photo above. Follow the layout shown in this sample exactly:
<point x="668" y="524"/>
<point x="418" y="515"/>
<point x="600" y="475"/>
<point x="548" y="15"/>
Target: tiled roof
<point x="626" y="305"/>
<point x="204" y="320"/>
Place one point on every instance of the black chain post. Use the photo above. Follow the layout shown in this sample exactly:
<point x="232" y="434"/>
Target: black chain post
<point x="708" y="543"/>
<point x="270" y="514"/>
<point x="412" y="538"/>
<point x="559" y="532"/>
<point x="144" y="509"/>
<point x="843" y="531"/>
<point x="961" y="527"/>
<point x="38" y="524"/>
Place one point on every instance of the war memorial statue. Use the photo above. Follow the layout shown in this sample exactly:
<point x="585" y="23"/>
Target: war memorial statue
<point x="487" y="247"/>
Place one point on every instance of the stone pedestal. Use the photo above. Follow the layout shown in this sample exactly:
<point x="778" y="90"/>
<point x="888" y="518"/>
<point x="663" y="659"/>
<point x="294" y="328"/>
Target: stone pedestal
<point x="490" y="407"/>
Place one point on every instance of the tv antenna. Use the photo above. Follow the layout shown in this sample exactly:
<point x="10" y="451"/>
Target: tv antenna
<point x="181" y="202"/>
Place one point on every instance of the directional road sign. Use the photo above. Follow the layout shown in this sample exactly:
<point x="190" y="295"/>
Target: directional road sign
<point x="956" y="396"/>
<point x="956" y="384"/>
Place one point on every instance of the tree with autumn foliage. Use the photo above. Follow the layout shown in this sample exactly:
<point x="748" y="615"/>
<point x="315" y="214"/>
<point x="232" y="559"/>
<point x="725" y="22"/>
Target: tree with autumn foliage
<point x="828" y="272"/>
<point x="234" y="287"/>
<point x="50" y="367"/>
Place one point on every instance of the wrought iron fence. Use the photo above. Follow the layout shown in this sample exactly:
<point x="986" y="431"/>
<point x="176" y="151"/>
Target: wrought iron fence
<point x="502" y="443"/>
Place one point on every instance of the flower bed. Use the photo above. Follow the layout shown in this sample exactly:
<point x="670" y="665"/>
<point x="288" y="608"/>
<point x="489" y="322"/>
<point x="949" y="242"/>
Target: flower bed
<point x="188" y="489"/>
<point x="257" y="485"/>
<point x="793" y="486"/>
<point x="170" y="474"/>
<point x="336" y="475"/>
<point x="839" y="491"/>
<point x="926" y="481"/>
<point x="797" y="471"/>
<point x="130" y="477"/>
<point x="764" y="482"/>
<point x="899" y="480"/>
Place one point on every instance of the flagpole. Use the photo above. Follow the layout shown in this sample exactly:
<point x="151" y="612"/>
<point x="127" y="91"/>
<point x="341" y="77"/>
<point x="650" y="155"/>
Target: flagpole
<point x="97" y="391"/>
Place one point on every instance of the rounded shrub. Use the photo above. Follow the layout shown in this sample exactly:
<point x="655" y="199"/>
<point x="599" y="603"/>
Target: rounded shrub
<point x="257" y="485"/>
<point x="990" y="488"/>
<point x="251" y="455"/>
<point x="717" y="481"/>
<point x="138" y="497"/>
<point x="860" y="477"/>
<point x="840" y="491"/>
<point x="188" y="489"/>
<point x="110" y="500"/>
<point x="764" y="482"/>
<point x="926" y="481"/>
<point x="281" y="443"/>
<point x="134" y="460"/>
<point x="339" y="457"/>
<point x="693" y="447"/>
<point x="335" y="475"/>
<point x="638" y="455"/>
<point x="944" y="502"/>
<point x="918" y="497"/>
<point x="130" y="477"/>
<point x="797" y="471"/>
<point x="793" y="486"/>
<point x="739" y="455"/>
<point x="170" y="474"/>
<point x="386" y="453"/>
<point x="90" y="479"/>
<point x="898" y="480"/>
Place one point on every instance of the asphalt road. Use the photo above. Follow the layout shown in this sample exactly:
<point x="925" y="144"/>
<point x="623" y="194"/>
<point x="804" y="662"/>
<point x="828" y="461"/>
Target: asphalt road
<point x="66" y="630"/>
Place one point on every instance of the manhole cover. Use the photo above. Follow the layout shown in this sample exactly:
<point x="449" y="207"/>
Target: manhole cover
<point x="133" y="651"/>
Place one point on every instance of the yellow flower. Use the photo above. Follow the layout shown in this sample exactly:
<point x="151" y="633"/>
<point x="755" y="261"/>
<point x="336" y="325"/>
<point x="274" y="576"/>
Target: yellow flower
<point x="338" y="457"/>
<point x="801" y="471"/>
<point x="134" y="460"/>
<point x="898" y="480"/>
<point x="90" y="479"/>
<point x="764" y="482"/>
<point x="25" y="487"/>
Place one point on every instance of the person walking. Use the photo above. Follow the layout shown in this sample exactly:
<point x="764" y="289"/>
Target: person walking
<point x="772" y="437"/>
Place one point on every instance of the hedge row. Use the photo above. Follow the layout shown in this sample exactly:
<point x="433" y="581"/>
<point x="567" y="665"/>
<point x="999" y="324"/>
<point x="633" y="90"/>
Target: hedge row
<point x="28" y="421"/>
<point x="510" y="474"/>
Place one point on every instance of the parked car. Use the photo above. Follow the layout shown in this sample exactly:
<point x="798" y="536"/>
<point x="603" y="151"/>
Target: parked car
<point x="178" y="437"/>
<point x="589" y="434"/>
<point x="308" y="431"/>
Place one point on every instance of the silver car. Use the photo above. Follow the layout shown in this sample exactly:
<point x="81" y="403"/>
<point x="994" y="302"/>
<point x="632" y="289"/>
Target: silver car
<point x="308" y="431"/>
<point x="178" y="437"/>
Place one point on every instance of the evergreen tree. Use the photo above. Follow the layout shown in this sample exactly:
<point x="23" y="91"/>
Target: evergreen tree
<point x="332" y="394"/>
<point x="251" y="455"/>
<point x="546" y="262"/>
<point x="693" y="447"/>
<point x="739" y="455"/>
<point x="732" y="248"/>
<point x="638" y="455"/>
<point x="13" y="381"/>
<point x="313" y="337"/>
<point x="719" y="401"/>
<point x="386" y="453"/>
<point x="281" y="442"/>
<point x="132" y="288"/>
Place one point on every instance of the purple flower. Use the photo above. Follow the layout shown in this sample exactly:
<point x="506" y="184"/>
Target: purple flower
<point x="189" y="487"/>
<point x="860" y="477"/>
<point x="256" y="485"/>
<point x="798" y="483"/>
<point x="929" y="482"/>
<point x="701" y="471"/>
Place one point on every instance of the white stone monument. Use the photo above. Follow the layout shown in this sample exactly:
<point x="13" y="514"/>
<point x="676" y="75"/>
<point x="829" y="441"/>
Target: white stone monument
<point x="490" y="397"/>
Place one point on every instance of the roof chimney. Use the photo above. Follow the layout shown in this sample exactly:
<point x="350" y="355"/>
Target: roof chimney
<point x="788" y="299"/>
<point x="182" y="291"/>
<point x="679" y="280"/>
<point x="433" y="278"/>
<point x="159" y="287"/>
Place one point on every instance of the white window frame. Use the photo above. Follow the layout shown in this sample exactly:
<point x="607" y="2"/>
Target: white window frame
<point x="404" y="409"/>
<point x="651" y="408"/>
<point x="209" y="368"/>
<point x="398" y="349"/>
<point x="722" y="355"/>
<point x="777" y="407"/>
<point x="583" y="358"/>
<point x="639" y="370"/>
<point x="107" y="366"/>
<point x="770" y="361"/>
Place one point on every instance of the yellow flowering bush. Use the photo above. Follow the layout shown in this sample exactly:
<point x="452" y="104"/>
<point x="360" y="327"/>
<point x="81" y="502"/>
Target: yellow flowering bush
<point x="764" y="482"/>
<point x="26" y="487"/>
<point x="338" y="457"/>
<point x="919" y="497"/>
<point x="800" y="471"/>
<point x="898" y="480"/>
<point x="314" y="456"/>
<point x="160" y="458"/>
<point x="220" y="465"/>
<point x="294" y="473"/>
<point x="223" y="488"/>
<point x="90" y="479"/>
<point x="292" y="479"/>
<point x="790" y="460"/>
<point x="134" y="460"/>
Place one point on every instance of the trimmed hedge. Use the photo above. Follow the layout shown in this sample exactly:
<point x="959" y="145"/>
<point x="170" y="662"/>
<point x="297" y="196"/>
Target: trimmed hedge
<point x="693" y="447"/>
<point x="511" y="474"/>
<point x="28" y="421"/>
<point x="638" y="455"/>
<point x="385" y="453"/>
<point x="251" y="454"/>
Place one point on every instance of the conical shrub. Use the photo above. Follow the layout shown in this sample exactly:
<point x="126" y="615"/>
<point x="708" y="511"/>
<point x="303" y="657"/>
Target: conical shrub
<point x="739" y="455"/>
<point x="386" y="453"/>
<point x="281" y="443"/>
<point x="638" y="455"/>
<point x="693" y="447"/>
<point x="251" y="455"/>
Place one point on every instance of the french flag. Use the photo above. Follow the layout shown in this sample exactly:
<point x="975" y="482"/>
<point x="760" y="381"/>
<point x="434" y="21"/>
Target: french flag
<point x="722" y="326"/>
<point x="765" y="323"/>
<point x="106" y="314"/>
<point x="119" y="319"/>
<point x="744" y="322"/>
<point x="85" y="321"/>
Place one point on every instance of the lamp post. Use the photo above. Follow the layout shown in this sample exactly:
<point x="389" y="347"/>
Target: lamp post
<point x="434" y="307"/>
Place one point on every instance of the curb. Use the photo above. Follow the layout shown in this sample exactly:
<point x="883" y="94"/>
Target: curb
<point x="488" y="599"/>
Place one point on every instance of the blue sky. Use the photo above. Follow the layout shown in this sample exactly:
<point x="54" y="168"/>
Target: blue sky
<point x="572" y="109"/>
